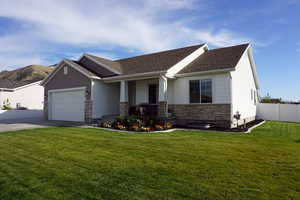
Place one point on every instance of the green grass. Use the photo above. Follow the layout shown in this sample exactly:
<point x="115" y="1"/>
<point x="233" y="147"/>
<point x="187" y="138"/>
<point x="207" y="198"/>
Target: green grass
<point x="75" y="163"/>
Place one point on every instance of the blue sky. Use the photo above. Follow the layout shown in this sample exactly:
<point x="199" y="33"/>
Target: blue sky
<point x="44" y="32"/>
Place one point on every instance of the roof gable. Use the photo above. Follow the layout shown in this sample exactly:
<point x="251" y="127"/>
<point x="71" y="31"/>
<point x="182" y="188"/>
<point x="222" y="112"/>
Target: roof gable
<point x="216" y="59"/>
<point x="72" y="64"/>
<point x="160" y="61"/>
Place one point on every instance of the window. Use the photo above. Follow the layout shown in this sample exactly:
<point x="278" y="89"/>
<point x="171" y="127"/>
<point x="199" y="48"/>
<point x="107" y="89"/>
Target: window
<point x="201" y="91"/>
<point x="153" y="94"/>
<point x="251" y="91"/>
<point x="195" y="91"/>
<point x="206" y="91"/>
<point x="65" y="70"/>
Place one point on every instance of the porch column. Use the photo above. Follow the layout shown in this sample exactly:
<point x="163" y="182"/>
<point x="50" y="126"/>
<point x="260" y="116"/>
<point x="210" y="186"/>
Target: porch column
<point x="124" y="98"/>
<point x="163" y="97"/>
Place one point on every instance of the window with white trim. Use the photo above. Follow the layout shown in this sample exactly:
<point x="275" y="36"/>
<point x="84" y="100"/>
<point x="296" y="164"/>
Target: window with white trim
<point x="200" y="91"/>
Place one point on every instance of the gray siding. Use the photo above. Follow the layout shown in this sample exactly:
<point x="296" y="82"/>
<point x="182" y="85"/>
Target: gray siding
<point x="72" y="80"/>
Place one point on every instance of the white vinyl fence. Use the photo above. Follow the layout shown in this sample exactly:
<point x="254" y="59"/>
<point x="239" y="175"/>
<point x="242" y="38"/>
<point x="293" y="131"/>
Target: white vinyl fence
<point x="20" y="114"/>
<point x="279" y="112"/>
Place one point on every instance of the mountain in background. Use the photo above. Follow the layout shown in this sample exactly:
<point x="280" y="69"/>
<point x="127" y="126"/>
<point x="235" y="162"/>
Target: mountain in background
<point x="24" y="76"/>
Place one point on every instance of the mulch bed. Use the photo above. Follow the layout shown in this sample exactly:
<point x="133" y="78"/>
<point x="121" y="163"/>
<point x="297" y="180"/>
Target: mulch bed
<point x="240" y="129"/>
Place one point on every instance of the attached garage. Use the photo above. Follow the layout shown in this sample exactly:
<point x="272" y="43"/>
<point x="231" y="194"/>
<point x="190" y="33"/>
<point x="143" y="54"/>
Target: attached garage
<point x="75" y="93"/>
<point x="67" y="105"/>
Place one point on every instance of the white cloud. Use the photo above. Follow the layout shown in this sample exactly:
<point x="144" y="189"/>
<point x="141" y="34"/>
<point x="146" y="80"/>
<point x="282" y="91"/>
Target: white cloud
<point x="137" y="25"/>
<point x="171" y="4"/>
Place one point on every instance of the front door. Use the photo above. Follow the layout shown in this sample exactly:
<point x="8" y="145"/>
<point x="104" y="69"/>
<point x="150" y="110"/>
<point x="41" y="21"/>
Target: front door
<point x="153" y="94"/>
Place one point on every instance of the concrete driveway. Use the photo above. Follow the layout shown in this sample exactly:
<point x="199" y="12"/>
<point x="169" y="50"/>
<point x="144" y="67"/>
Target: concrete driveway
<point x="21" y="124"/>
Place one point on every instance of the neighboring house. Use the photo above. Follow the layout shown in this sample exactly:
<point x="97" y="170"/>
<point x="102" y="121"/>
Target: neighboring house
<point x="30" y="95"/>
<point x="192" y="83"/>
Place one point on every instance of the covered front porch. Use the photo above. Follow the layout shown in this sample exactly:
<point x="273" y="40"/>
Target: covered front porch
<point x="146" y="97"/>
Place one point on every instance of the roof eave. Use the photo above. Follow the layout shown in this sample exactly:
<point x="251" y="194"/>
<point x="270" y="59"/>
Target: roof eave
<point x="205" y="72"/>
<point x="6" y="90"/>
<point x="136" y="76"/>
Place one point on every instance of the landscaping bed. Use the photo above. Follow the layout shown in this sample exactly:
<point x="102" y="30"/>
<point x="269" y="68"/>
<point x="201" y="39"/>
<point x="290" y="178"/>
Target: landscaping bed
<point x="138" y="124"/>
<point x="240" y="129"/>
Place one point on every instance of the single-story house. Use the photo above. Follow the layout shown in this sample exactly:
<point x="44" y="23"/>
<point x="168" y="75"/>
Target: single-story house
<point x="22" y="94"/>
<point x="191" y="83"/>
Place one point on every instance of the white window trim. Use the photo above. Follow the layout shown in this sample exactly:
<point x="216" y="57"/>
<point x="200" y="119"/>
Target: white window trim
<point x="212" y="91"/>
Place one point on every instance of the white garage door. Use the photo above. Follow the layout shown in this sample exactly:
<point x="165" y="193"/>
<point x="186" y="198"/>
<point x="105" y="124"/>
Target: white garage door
<point x="67" y="106"/>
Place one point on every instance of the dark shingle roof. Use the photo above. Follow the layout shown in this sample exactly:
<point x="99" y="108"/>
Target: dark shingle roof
<point x="8" y="84"/>
<point x="160" y="61"/>
<point x="115" y="65"/>
<point x="95" y="67"/>
<point x="216" y="59"/>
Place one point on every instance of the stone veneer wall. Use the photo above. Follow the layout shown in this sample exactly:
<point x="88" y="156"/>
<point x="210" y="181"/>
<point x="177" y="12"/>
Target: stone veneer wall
<point x="219" y="113"/>
<point x="88" y="111"/>
<point x="46" y="106"/>
<point x="163" y="109"/>
<point x="124" y="109"/>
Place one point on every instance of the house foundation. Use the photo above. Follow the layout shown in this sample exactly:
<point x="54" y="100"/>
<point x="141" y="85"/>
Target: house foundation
<point x="220" y="114"/>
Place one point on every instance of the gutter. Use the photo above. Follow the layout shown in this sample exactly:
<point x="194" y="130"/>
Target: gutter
<point x="134" y="76"/>
<point x="205" y="72"/>
<point x="154" y="74"/>
<point x="6" y="90"/>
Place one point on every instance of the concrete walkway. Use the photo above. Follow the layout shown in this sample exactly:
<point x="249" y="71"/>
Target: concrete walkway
<point x="21" y="124"/>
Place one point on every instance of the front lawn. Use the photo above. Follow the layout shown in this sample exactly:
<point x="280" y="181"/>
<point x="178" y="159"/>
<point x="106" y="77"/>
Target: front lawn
<point x="77" y="163"/>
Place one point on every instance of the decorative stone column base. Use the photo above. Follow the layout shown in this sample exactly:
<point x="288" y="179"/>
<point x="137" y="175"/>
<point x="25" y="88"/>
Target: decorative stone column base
<point x="124" y="106"/>
<point x="163" y="109"/>
<point x="88" y="111"/>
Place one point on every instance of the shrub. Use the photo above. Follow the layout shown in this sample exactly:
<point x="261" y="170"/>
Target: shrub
<point x="6" y="105"/>
<point x="139" y="124"/>
<point x="105" y="125"/>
